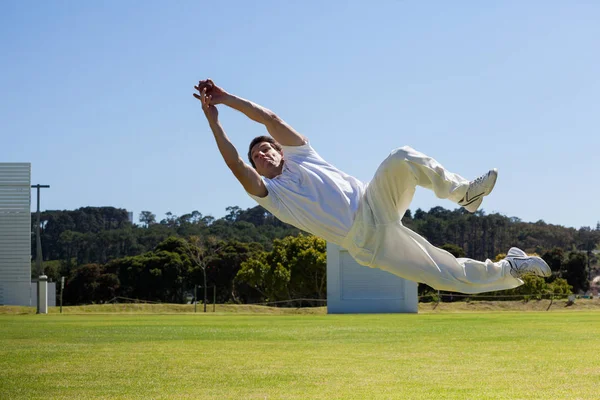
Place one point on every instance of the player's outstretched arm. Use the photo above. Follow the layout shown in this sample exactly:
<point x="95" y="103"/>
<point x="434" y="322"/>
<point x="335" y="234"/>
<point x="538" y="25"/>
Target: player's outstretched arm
<point x="245" y="174"/>
<point x="281" y="131"/>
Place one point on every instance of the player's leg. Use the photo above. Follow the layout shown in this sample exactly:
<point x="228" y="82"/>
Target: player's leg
<point x="378" y="238"/>
<point x="404" y="169"/>
<point x="430" y="174"/>
<point x="394" y="183"/>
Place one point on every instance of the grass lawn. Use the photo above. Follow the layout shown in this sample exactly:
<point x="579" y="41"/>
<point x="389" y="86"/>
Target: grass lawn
<point x="469" y="355"/>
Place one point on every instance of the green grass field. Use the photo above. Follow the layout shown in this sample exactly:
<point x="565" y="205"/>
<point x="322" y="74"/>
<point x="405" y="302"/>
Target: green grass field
<point x="477" y="355"/>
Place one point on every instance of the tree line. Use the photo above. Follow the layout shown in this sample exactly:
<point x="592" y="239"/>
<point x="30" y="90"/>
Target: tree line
<point x="248" y="256"/>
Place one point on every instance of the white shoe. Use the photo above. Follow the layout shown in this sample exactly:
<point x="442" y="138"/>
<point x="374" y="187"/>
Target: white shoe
<point x="521" y="263"/>
<point x="478" y="189"/>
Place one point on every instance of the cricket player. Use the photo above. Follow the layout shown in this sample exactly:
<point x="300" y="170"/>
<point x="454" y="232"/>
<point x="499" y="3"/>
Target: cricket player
<point x="292" y="181"/>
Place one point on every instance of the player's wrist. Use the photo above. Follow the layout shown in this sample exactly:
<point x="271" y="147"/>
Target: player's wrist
<point x="227" y="98"/>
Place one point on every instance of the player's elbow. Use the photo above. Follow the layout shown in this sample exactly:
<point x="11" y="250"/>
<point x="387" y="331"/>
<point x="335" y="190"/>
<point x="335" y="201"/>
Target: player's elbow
<point x="272" y="118"/>
<point x="256" y="190"/>
<point x="249" y="179"/>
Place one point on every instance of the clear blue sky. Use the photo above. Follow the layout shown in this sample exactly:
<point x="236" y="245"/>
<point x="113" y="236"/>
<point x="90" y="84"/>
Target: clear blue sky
<point x="98" y="96"/>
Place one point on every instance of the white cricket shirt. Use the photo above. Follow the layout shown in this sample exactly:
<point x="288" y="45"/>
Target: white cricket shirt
<point x="312" y="194"/>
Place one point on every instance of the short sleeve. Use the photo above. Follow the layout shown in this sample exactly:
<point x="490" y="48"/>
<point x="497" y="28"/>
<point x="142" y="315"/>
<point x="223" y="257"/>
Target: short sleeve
<point x="270" y="202"/>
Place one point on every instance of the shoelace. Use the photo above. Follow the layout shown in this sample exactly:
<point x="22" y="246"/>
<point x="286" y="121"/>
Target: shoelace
<point x="475" y="184"/>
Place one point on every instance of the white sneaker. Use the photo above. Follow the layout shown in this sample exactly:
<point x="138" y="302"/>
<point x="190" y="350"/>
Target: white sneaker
<point x="521" y="263"/>
<point x="478" y="189"/>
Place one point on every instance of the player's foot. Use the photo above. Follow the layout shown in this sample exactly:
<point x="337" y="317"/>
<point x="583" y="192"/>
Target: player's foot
<point x="478" y="189"/>
<point x="521" y="264"/>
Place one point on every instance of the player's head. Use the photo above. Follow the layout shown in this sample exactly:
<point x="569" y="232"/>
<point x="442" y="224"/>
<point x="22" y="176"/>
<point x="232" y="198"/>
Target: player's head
<point x="266" y="156"/>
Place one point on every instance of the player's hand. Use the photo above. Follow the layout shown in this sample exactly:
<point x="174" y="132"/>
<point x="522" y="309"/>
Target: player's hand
<point x="210" y="111"/>
<point x="217" y="94"/>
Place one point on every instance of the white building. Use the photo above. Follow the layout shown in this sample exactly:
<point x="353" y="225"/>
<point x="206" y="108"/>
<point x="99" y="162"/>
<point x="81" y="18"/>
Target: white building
<point x="15" y="234"/>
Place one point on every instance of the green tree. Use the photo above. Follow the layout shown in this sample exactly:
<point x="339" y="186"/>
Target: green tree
<point x="294" y="268"/>
<point x="224" y="266"/>
<point x="147" y="218"/>
<point x="533" y="287"/>
<point x="575" y="271"/>
<point x="171" y="220"/>
<point x="90" y="283"/>
<point x="555" y="258"/>
<point x="307" y="261"/>
<point x="560" y="287"/>
<point x="233" y="213"/>
<point x="158" y="275"/>
<point x="588" y="239"/>
<point x="270" y="281"/>
<point x="201" y="251"/>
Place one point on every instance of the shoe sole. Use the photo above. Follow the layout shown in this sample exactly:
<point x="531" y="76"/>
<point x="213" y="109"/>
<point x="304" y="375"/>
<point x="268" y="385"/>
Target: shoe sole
<point x="543" y="269"/>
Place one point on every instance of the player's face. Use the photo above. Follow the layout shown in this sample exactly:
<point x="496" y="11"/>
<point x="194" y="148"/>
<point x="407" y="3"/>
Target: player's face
<point x="267" y="159"/>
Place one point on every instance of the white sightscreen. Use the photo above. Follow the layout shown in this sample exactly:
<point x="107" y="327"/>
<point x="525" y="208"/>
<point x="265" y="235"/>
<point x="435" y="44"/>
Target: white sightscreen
<point x="353" y="288"/>
<point x="15" y="233"/>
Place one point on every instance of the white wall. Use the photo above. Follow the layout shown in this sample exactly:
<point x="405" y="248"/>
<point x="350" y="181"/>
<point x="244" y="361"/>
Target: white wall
<point x="15" y="233"/>
<point x="353" y="288"/>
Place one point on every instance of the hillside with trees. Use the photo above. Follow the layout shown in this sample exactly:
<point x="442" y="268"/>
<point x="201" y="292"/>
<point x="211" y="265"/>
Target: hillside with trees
<point x="249" y="256"/>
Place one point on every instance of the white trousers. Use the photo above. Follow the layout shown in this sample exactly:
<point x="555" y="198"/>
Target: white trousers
<point x="378" y="239"/>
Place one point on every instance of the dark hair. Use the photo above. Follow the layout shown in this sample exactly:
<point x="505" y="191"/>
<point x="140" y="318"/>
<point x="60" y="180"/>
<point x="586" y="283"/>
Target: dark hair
<point x="260" y="139"/>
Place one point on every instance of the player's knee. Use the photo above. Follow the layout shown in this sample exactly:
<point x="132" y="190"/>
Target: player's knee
<point x="397" y="157"/>
<point x="401" y="153"/>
